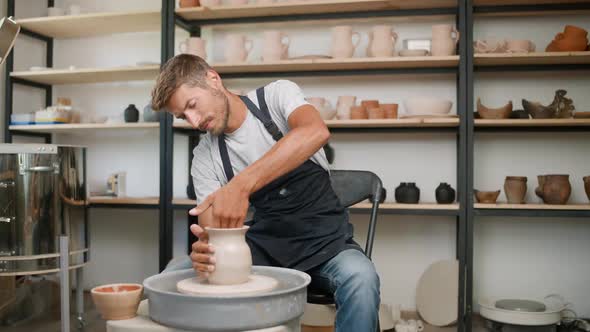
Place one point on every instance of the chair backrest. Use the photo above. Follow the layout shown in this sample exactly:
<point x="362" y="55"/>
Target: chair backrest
<point x="353" y="187"/>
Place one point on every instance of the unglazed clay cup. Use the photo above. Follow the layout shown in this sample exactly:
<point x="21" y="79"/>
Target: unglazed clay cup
<point x="117" y="301"/>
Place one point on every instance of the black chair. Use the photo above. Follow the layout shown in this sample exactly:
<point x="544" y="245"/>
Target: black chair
<point x="353" y="187"/>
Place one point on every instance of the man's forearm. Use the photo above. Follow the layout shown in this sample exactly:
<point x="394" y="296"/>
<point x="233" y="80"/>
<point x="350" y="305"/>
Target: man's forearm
<point x="291" y="151"/>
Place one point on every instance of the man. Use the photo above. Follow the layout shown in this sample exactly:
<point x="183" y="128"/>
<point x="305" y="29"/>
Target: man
<point x="264" y="149"/>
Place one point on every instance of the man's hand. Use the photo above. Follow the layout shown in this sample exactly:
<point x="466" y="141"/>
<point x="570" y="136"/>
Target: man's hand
<point x="229" y="205"/>
<point x="203" y="262"/>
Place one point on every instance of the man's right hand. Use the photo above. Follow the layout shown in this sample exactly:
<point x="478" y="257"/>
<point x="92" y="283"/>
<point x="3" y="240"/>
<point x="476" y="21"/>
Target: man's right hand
<point x="203" y="261"/>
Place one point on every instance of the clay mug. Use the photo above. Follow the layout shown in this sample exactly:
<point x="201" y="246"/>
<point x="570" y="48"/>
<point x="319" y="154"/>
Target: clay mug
<point x="343" y="106"/>
<point x="276" y="45"/>
<point x="195" y="46"/>
<point x="376" y="113"/>
<point x="343" y="44"/>
<point x="443" y="43"/>
<point x="233" y="259"/>
<point x="390" y="110"/>
<point x="358" y="113"/>
<point x="237" y="48"/>
<point x="382" y="41"/>
<point x="520" y="46"/>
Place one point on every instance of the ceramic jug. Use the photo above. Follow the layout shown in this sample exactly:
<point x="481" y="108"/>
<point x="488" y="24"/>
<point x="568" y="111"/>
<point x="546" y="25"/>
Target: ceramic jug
<point x="443" y="41"/>
<point x="515" y="188"/>
<point x="233" y="259"/>
<point x="382" y="41"/>
<point x="276" y="45"/>
<point x="554" y="188"/>
<point x="343" y="106"/>
<point x="131" y="113"/>
<point x="237" y="48"/>
<point x="343" y="44"/>
<point x="195" y="46"/>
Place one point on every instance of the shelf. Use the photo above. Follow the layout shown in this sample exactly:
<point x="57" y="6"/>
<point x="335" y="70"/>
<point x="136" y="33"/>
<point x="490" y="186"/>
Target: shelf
<point x="536" y="58"/>
<point x="89" y="75"/>
<point x="533" y="210"/>
<point x="530" y="7"/>
<point x="307" y="7"/>
<point x="124" y="202"/>
<point x="82" y="127"/>
<point x="384" y="208"/>
<point x="532" y="124"/>
<point x="352" y="64"/>
<point x="394" y="123"/>
<point x="94" y="24"/>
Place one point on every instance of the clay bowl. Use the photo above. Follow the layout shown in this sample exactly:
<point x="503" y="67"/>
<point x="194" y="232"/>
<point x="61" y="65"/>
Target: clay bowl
<point x="117" y="301"/>
<point x="486" y="196"/>
<point x="536" y="110"/>
<point x="427" y="106"/>
<point x="519" y="114"/>
<point x="494" y="113"/>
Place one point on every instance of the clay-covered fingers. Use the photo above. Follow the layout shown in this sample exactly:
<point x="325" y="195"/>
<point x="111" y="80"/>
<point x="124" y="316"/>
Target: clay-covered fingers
<point x="202" y="261"/>
<point x="201" y="247"/>
<point x="199" y="232"/>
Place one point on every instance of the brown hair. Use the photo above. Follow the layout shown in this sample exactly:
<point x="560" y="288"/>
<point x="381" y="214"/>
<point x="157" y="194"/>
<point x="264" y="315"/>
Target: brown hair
<point x="181" y="69"/>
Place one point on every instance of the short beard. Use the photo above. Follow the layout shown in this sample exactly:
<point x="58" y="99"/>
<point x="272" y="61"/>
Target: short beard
<point x="224" y="112"/>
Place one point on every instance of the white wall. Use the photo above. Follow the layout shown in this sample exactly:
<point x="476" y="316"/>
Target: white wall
<point x="509" y="252"/>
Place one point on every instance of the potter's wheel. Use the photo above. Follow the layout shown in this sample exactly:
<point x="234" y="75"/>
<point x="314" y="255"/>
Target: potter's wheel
<point x="256" y="284"/>
<point x="237" y="312"/>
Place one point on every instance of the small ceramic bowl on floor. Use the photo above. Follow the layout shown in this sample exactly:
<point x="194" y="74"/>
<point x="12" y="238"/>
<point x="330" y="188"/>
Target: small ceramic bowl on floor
<point x="117" y="301"/>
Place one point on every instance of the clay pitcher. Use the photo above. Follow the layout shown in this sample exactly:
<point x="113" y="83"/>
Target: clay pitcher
<point x="515" y="189"/>
<point x="587" y="186"/>
<point x="343" y="44"/>
<point x="276" y="45"/>
<point x="233" y="260"/>
<point x="556" y="189"/>
<point x="237" y="48"/>
<point x="443" y="42"/>
<point x="382" y="41"/>
<point x="195" y="46"/>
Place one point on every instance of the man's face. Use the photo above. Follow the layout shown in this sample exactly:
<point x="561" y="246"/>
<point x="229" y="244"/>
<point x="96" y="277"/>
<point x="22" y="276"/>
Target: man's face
<point x="205" y="109"/>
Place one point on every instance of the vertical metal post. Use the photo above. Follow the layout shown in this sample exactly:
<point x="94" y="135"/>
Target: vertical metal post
<point x="49" y="64"/>
<point x="166" y="144"/>
<point x="467" y="37"/>
<point x="64" y="278"/>
<point x="8" y="101"/>
<point x="80" y="296"/>
<point x="463" y="164"/>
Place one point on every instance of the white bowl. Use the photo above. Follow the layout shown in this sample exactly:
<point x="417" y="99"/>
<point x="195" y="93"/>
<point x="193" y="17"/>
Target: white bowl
<point x="427" y="106"/>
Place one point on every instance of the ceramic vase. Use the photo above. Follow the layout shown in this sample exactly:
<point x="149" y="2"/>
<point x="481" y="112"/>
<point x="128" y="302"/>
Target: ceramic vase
<point x="444" y="193"/>
<point x="343" y="106"/>
<point x="554" y="188"/>
<point x="587" y="186"/>
<point x="131" y="113"/>
<point x="515" y="189"/>
<point x="149" y="115"/>
<point x="233" y="260"/>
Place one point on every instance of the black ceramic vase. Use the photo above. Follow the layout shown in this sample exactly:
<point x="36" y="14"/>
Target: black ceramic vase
<point x="444" y="193"/>
<point x="131" y="114"/>
<point x="412" y="193"/>
<point x="400" y="192"/>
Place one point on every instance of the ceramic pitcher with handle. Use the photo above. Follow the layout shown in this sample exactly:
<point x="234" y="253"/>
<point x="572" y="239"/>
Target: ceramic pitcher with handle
<point x="382" y="41"/>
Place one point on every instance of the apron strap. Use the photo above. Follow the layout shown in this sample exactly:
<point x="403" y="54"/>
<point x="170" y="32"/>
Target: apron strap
<point x="263" y="115"/>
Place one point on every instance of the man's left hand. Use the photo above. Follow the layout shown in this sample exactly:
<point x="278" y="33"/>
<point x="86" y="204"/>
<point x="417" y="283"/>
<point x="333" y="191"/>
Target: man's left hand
<point x="229" y="204"/>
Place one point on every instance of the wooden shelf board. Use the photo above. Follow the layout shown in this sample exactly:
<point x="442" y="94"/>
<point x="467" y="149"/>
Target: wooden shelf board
<point x="531" y="122"/>
<point x="394" y="123"/>
<point x="532" y="206"/>
<point x="90" y="75"/>
<point x="339" y="64"/>
<point x="60" y="128"/>
<point x="535" y="58"/>
<point x="93" y="24"/>
<point x="522" y="2"/>
<point x="124" y="200"/>
<point x="385" y="205"/>
<point x="307" y="7"/>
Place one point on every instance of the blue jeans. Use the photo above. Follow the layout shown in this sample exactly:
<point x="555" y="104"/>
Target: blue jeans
<point x="350" y="276"/>
<point x="353" y="280"/>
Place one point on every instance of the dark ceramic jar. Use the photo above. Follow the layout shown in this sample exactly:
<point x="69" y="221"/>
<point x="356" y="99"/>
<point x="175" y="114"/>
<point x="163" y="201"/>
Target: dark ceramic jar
<point x="400" y="192"/>
<point x="412" y="193"/>
<point x="131" y="114"/>
<point x="444" y="193"/>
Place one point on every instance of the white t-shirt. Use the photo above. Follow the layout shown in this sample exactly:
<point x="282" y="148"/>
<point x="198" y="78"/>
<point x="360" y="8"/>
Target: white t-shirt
<point x="249" y="142"/>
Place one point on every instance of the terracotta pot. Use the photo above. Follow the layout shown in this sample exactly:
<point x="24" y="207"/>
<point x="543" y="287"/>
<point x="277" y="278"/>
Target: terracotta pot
<point x="489" y="197"/>
<point x="117" y="301"/>
<point x="376" y="113"/>
<point x="233" y="260"/>
<point x="370" y="103"/>
<point x="515" y="189"/>
<point x="574" y="31"/>
<point x="556" y="189"/>
<point x="358" y="112"/>
<point x="494" y="113"/>
<point x="563" y="43"/>
<point x="390" y="110"/>
<point x="587" y="186"/>
<point x="188" y="3"/>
